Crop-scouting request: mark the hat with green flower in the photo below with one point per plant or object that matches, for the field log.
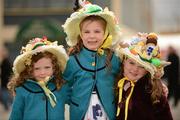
(35, 46)
(144, 50)
(72, 24)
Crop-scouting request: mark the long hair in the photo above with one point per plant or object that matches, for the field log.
(18, 80)
(78, 47)
(156, 90)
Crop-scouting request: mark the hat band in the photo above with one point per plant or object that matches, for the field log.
(156, 62)
(94, 11)
(38, 45)
(146, 60)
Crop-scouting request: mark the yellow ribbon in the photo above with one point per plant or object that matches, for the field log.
(47, 92)
(107, 43)
(121, 86)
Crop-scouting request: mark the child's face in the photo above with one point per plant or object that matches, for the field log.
(42, 68)
(92, 33)
(133, 70)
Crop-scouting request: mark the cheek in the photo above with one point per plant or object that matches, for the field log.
(126, 69)
(125, 73)
(84, 41)
(34, 74)
(84, 36)
(127, 66)
(101, 38)
(51, 72)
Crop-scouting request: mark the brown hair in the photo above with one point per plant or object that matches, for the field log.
(156, 90)
(18, 80)
(78, 47)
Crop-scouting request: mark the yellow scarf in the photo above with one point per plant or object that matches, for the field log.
(121, 86)
(107, 42)
(47, 92)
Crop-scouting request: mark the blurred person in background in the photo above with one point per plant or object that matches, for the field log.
(6, 69)
(172, 74)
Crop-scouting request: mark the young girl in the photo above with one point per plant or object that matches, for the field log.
(92, 66)
(37, 83)
(140, 89)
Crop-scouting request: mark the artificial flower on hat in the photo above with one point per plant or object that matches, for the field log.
(39, 45)
(144, 50)
(72, 24)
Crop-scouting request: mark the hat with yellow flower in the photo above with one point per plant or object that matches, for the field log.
(35, 46)
(72, 24)
(144, 50)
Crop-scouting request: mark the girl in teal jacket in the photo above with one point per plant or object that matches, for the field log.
(40, 93)
(92, 66)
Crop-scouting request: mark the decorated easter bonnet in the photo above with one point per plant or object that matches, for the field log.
(144, 50)
(35, 46)
(72, 24)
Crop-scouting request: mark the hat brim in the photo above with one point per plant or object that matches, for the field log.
(19, 63)
(72, 28)
(149, 67)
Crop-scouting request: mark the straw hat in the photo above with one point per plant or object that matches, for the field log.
(144, 50)
(72, 24)
(39, 45)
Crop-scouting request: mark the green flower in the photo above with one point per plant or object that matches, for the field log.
(156, 62)
(92, 8)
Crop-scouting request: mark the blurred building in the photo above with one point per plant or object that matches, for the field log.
(161, 16)
(21, 20)
(19, 15)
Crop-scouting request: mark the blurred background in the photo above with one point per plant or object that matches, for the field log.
(22, 20)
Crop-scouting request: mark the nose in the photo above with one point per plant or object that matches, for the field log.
(42, 72)
(91, 35)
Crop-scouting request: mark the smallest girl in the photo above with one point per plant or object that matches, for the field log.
(40, 92)
(141, 94)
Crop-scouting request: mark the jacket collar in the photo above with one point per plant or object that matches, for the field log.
(32, 86)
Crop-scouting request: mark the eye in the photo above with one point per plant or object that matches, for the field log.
(47, 67)
(36, 68)
(97, 31)
(131, 62)
(85, 31)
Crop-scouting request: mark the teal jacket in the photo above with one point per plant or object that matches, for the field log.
(30, 102)
(86, 72)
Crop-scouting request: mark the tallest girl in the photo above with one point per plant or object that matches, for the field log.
(92, 67)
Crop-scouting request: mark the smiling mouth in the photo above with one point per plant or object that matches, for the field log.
(92, 42)
(133, 74)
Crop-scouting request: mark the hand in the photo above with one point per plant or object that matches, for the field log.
(123, 44)
(165, 90)
(159, 73)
